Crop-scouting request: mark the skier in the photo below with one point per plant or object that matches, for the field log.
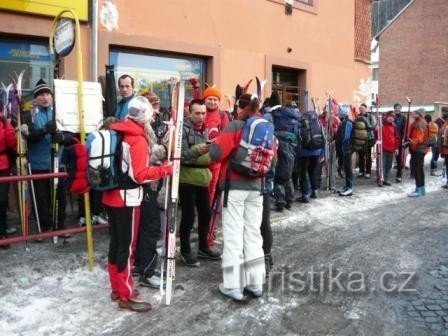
(365, 150)
(194, 179)
(149, 234)
(215, 121)
(8, 143)
(443, 145)
(343, 145)
(418, 148)
(42, 128)
(286, 124)
(243, 257)
(391, 143)
(433, 130)
(123, 204)
(126, 87)
(400, 124)
(312, 145)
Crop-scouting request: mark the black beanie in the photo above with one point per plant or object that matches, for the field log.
(41, 87)
(274, 100)
(244, 100)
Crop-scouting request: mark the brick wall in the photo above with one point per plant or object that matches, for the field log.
(363, 26)
(414, 55)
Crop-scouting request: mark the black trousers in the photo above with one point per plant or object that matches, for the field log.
(417, 160)
(123, 224)
(399, 163)
(265, 228)
(4, 188)
(365, 160)
(308, 171)
(149, 233)
(194, 198)
(43, 189)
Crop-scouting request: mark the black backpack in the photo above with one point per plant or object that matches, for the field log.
(311, 131)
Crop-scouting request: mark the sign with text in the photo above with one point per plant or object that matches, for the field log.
(66, 98)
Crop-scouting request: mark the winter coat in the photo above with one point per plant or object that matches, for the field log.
(391, 140)
(443, 139)
(39, 143)
(418, 135)
(400, 124)
(8, 142)
(344, 135)
(136, 152)
(221, 151)
(215, 121)
(122, 108)
(194, 166)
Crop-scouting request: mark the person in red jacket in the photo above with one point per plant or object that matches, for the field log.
(391, 143)
(123, 204)
(8, 142)
(215, 121)
(418, 148)
(243, 256)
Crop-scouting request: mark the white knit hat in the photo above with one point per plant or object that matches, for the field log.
(140, 110)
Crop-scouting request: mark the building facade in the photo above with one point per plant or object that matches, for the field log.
(317, 46)
(413, 55)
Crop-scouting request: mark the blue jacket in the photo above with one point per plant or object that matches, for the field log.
(346, 135)
(122, 108)
(39, 143)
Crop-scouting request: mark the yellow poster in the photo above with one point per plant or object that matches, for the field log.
(47, 7)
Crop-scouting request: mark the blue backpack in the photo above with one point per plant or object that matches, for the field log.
(286, 119)
(255, 152)
(104, 150)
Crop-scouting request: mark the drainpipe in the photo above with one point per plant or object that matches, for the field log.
(94, 42)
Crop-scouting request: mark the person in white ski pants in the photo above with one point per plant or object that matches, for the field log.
(243, 256)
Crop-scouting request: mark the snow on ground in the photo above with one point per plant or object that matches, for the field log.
(50, 291)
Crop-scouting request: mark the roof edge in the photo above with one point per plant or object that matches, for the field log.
(376, 37)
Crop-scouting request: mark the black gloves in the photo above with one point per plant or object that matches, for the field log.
(50, 127)
(64, 138)
(58, 137)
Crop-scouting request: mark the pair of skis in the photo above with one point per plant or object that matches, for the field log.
(379, 145)
(172, 187)
(329, 146)
(404, 149)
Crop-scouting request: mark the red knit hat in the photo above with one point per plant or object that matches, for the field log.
(211, 92)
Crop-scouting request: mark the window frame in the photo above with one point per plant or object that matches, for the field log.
(312, 7)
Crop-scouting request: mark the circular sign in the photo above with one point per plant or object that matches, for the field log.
(64, 37)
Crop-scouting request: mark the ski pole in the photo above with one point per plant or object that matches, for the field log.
(33, 194)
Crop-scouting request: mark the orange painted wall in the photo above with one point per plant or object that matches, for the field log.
(243, 38)
(244, 34)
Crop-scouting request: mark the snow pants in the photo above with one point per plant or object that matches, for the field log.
(243, 257)
(124, 223)
(149, 232)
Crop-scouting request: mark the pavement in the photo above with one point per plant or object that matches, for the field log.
(375, 263)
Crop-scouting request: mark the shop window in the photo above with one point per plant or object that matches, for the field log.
(17, 55)
(152, 71)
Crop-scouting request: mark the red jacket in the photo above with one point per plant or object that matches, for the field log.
(8, 140)
(136, 152)
(222, 149)
(215, 121)
(391, 140)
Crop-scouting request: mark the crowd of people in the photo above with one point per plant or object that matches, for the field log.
(308, 145)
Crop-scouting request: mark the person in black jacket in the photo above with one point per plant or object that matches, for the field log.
(400, 124)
